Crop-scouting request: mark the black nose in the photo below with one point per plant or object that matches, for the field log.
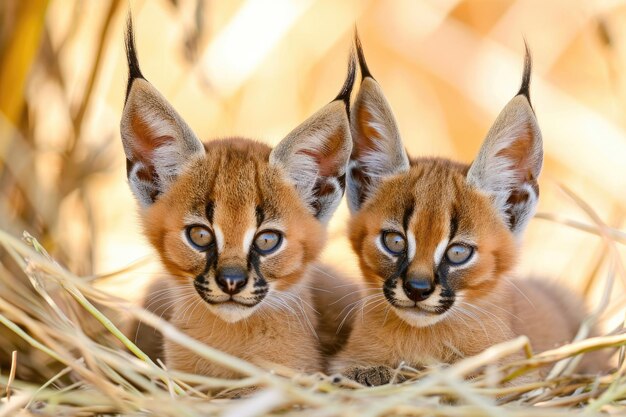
(231, 279)
(418, 289)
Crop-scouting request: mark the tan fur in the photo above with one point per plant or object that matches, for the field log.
(237, 225)
(333, 295)
(498, 307)
(235, 189)
(329, 294)
(379, 333)
(236, 174)
(435, 205)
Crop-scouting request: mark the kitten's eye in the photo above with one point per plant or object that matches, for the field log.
(459, 254)
(394, 242)
(267, 242)
(200, 237)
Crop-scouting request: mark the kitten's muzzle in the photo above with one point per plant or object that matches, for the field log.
(418, 288)
(231, 279)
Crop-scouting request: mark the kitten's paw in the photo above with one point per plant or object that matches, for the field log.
(372, 376)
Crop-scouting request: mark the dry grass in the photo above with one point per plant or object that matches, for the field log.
(104, 373)
(447, 67)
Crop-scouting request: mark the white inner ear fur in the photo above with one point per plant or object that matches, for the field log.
(141, 188)
(498, 175)
(146, 107)
(388, 156)
(380, 155)
(294, 155)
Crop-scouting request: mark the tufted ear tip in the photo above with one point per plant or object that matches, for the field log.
(365, 71)
(377, 147)
(157, 141)
(510, 160)
(348, 85)
(134, 71)
(524, 89)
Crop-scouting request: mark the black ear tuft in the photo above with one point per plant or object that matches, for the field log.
(346, 89)
(528, 64)
(365, 71)
(134, 71)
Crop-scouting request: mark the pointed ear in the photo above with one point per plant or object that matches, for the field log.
(315, 154)
(377, 148)
(510, 159)
(157, 141)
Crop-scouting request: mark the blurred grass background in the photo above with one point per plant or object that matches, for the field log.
(258, 68)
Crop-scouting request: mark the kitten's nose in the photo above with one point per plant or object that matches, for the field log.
(418, 289)
(231, 279)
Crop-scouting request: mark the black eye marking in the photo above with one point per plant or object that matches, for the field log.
(209, 210)
(200, 282)
(454, 225)
(260, 216)
(407, 215)
(260, 283)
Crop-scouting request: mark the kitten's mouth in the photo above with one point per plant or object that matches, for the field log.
(416, 308)
(229, 308)
(217, 297)
(420, 313)
(229, 300)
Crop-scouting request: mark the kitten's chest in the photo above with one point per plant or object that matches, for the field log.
(233, 338)
(421, 347)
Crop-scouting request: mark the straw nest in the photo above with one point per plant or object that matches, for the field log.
(69, 357)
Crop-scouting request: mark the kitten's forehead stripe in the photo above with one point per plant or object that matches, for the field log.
(260, 215)
(408, 214)
(454, 225)
(210, 210)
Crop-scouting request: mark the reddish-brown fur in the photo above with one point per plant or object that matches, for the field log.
(237, 175)
(419, 306)
(238, 227)
(497, 307)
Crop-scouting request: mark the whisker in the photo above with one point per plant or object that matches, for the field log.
(388, 309)
(359, 301)
(472, 316)
(355, 305)
(488, 313)
(520, 291)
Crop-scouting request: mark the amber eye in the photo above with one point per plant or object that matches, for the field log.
(459, 254)
(267, 242)
(200, 237)
(394, 242)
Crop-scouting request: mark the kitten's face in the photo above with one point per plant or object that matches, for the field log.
(233, 220)
(435, 236)
(431, 243)
(233, 229)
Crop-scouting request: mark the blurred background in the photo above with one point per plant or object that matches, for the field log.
(258, 68)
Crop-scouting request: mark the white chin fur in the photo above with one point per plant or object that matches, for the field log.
(232, 313)
(418, 318)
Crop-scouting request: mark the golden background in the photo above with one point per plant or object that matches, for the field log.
(259, 68)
